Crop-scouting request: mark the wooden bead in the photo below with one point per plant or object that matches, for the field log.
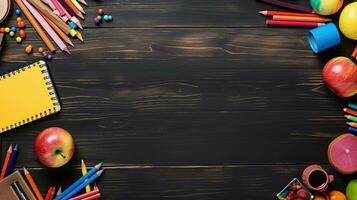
(40, 50)
(22, 33)
(100, 11)
(21, 24)
(28, 49)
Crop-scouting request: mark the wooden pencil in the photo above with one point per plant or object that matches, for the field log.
(11, 160)
(352, 118)
(354, 54)
(350, 111)
(301, 19)
(271, 22)
(73, 8)
(59, 31)
(83, 2)
(84, 171)
(85, 195)
(78, 6)
(6, 162)
(33, 184)
(48, 194)
(69, 12)
(352, 124)
(50, 15)
(36, 25)
(273, 12)
(52, 193)
(285, 4)
(47, 27)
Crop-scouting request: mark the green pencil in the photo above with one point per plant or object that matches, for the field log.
(352, 118)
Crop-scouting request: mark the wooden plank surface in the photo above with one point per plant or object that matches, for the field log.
(191, 99)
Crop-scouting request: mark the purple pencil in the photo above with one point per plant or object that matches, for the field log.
(289, 5)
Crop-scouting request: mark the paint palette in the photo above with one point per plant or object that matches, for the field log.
(295, 190)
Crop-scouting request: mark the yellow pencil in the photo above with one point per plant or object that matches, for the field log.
(78, 6)
(84, 171)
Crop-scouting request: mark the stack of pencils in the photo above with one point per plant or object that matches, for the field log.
(352, 116)
(304, 17)
(57, 19)
(9, 161)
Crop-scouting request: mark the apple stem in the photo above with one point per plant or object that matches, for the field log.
(60, 153)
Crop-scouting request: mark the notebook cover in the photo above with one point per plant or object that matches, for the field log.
(27, 94)
(6, 191)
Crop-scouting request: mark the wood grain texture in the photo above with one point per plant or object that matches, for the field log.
(191, 99)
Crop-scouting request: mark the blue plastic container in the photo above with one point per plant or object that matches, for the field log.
(324, 37)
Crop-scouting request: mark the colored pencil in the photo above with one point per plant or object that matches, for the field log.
(88, 194)
(48, 194)
(79, 36)
(352, 124)
(49, 14)
(79, 181)
(301, 19)
(70, 14)
(78, 6)
(92, 178)
(292, 24)
(59, 191)
(11, 161)
(73, 8)
(6, 162)
(37, 26)
(96, 196)
(83, 2)
(289, 5)
(59, 31)
(354, 53)
(272, 13)
(352, 129)
(352, 118)
(33, 184)
(53, 192)
(352, 106)
(47, 27)
(84, 171)
(350, 111)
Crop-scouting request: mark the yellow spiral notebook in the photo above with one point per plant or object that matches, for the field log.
(26, 94)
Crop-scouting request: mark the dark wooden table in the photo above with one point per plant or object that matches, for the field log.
(189, 99)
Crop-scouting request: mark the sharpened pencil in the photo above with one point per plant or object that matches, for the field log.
(350, 111)
(83, 2)
(352, 124)
(353, 106)
(301, 19)
(352, 118)
(6, 162)
(33, 184)
(78, 6)
(352, 129)
(59, 31)
(85, 195)
(84, 171)
(273, 12)
(291, 6)
(12, 160)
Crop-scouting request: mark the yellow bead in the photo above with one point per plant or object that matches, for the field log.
(18, 39)
(40, 50)
(11, 34)
(7, 29)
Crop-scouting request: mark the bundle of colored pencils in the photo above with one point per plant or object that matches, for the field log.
(57, 18)
(9, 161)
(303, 18)
(352, 116)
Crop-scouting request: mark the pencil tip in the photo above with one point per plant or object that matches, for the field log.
(66, 50)
(345, 109)
(25, 170)
(16, 147)
(100, 172)
(264, 12)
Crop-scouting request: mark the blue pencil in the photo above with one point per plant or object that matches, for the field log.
(352, 129)
(11, 161)
(83, 185)
(353, 106)
(79, 181)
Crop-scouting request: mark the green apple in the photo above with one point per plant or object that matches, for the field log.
(351, 190)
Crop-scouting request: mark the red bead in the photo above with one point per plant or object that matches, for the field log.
(2, 30)
(21, 24)
(100, 11)
(22, 33)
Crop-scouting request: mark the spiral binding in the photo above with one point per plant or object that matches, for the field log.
(51, 91)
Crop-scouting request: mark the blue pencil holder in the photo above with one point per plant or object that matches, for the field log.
(323, 37)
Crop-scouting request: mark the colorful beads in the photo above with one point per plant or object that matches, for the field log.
(28, 49)
(18, 11)
(7, 29)
(100, 11)
(13, 29)
(47, 55)
(11, 34)
(98, 20)
(21, 24)
(18, 39)
(22, 33)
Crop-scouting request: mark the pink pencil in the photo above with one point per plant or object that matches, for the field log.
(47, 27)
(271, 22)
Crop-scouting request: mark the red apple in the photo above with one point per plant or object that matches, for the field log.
(54, 147)
(340, 75)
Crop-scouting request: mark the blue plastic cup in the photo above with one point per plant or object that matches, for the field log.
(324, 37)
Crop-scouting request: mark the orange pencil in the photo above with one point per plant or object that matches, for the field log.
(33, 184)
(354, 54)
(352, 124)
(6, 162)
(301, 19)
(58, 31)
(350, 111)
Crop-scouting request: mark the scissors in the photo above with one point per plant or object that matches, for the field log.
(5, 7)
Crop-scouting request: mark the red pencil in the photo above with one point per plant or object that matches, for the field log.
(48, 194)
(52, 194)
(289, 5)
(350, 111)
(6, 162)
(273, 12)
(86, 195)
(74, 8)
(271, 22)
